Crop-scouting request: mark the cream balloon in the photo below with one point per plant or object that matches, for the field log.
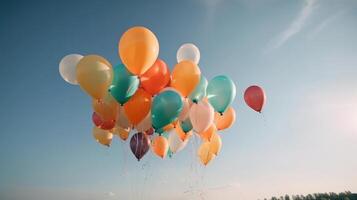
(103, 137)
(122, 119)
(188, 51)
(185, 110)
(68, 68)
(201, 116)
(145, 124)
(175, 142)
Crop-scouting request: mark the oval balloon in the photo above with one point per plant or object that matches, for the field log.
(94, 75)
(122, 119)
(138, 106)
(201, 116)
(165, 108)
(160, 146)
(97, 120)
(138, 49)
(184, 136)
(221, 92)
(185, 110)
(189, 52)
(255, 97)
(107, 108)
(207, 134)
(124, 84)
(186, 125)
(150, 131)
(205, 154)
(200, 91)
(139, 145)
(225, 120)
(121, 132)
(102, 124)
(145, 124)
(175, 142)
(156, 77)
(68, 68)
(185, 77)
(215, 143)
(103, 137)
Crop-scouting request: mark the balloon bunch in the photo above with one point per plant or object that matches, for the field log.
(164, 108)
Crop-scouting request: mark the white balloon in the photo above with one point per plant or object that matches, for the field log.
(68, 67)
(188, 51)
(175, 142)
(201, 116)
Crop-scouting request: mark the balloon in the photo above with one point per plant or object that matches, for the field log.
(156, 78)
(185, 110)
(221, 92)
(122, 119)
(185, 77)
(124, 84)
(150, 131)
(175, 142)
(138, 49)
(94, 75)
(139, 145)
(184, 136)
(160, 146)
(138, 106)
(215, 143)
(186, 125)
(207, 134)
(200, 90)
(255, 97)
(225, 120)
(107, 108)
(201, 116)
(102, 136)
(205, 154)
(145, 124)
(165, 108)
(102, 124)
(188, 51)
(68, 67)
(97, 120)
(123, 133)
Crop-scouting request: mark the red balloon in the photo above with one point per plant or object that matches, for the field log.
(105, 125)
(150, 131)
(97, 120)
(255, 97)
(156, 77)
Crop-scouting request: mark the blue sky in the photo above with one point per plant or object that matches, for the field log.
(303, 52)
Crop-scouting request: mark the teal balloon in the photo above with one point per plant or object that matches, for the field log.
(165, 108)
(221, 92)
(186, 125)
(124, 84)
(200, 91)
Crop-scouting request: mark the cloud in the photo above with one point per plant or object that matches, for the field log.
(295, 26)
(325, 23)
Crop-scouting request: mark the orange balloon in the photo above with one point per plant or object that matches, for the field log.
(207, 134)
(138, 106)
(155, 78)
(185, 77)
(160, 146)
(225, 120)
(123, 133)
(138, 49)
(215, 143)
(107, 108)
(184, 136)
(205, 154)
(170, 126)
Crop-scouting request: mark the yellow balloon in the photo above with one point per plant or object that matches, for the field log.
(102, 136)
(138, 49)
(94, 75)
(185, 77)
(123, 133)
(107, 108)
(204, 153)
(215, 143)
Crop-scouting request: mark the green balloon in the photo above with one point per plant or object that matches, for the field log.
(200, 90)
(186, 125)
(221, 92)
(124, 84)
(165, 108)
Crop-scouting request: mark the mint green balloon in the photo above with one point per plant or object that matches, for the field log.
(186, 125)
(221, 92)
(124, 84)
(165, 108)
(200, 90)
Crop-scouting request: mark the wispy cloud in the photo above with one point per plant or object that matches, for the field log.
(325, 23)
(295, 26)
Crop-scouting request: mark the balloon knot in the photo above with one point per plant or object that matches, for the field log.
(221, 113)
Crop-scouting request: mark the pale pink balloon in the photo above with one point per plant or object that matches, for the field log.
(122, 119)
(145, 124)
(201, 116)
(185, 110)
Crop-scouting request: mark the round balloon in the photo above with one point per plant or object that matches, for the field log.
(200, 91)
(145, 124)
(221, 92)
(185, 77)
(156, 77)
(207, 134)
(107, 108)
(103, 137)
(122, 119)
(205, 154)
(186, 125)
(215, 143)
(175, 142)
(189, 52)
(165, 108)
(138, 49)
(225, 120)
(160, 146)
(138, 106)
(139, 145)
(255, 97)
(68, 68)
(94, 75)
(185, 110)
(201, 116)
(124, 84)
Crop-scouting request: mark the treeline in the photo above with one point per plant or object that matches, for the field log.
(319, 196)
